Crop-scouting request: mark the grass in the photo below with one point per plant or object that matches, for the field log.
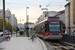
(24, 34)
(29, 33)
(32, 33)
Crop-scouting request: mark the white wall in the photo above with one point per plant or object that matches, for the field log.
(52, 13)
(62, 17)
(67, 18)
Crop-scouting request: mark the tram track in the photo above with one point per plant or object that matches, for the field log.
(58, 45)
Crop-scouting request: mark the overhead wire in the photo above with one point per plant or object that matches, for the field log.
(51, 1)
(30, 4)
(19, 4)
(60, 7)
(39, 1)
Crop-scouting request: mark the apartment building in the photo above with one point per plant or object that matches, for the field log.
(7, 14)
(13, 20)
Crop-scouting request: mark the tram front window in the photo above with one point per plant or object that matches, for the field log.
(54, 27)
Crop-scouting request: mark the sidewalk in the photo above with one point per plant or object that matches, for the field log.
(22, 43)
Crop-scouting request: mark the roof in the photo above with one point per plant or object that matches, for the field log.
(51, 19)
(61, 11)
(67, 4)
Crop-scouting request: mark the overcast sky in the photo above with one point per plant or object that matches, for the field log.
(18, 7)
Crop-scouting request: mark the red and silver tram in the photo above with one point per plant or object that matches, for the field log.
(49, 28)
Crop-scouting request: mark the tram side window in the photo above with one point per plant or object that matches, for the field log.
(40, 29)
(36, 29)
(43, 27)
(46, 27)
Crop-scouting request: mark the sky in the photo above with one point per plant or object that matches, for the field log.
(18, 7)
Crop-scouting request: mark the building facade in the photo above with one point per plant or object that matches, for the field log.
(67, 16)
(72, 16)
(70, 12)
(1, 13)
(61, 15)
(13, 20)
(7, 14)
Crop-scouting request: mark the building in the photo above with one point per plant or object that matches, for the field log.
(1, 13)
(61, 15)
(72, 15)
(13, 20)
(67, 15)
(7, 14)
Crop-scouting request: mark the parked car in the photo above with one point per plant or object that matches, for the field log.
(1, 36)
(14, 32)
(6, 33)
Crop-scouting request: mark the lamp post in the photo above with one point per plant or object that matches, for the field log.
(8, 24)
(27, 28)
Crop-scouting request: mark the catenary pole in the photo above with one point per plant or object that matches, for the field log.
(3, 17)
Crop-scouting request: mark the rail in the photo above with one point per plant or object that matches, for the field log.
(59, 45)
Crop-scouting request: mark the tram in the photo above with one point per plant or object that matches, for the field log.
(49, 28)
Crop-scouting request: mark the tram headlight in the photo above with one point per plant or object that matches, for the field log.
(59, 33)
(46, 33)
(50, 33)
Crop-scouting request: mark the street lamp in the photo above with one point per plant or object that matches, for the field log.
(8, 24)
(27, 28)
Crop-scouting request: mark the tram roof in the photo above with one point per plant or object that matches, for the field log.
(50, 19)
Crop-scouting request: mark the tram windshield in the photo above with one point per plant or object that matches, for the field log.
(54, 26)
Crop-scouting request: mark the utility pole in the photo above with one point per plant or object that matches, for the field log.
(3, 17)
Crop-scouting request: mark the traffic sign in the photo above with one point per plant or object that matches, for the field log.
(21, 28)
